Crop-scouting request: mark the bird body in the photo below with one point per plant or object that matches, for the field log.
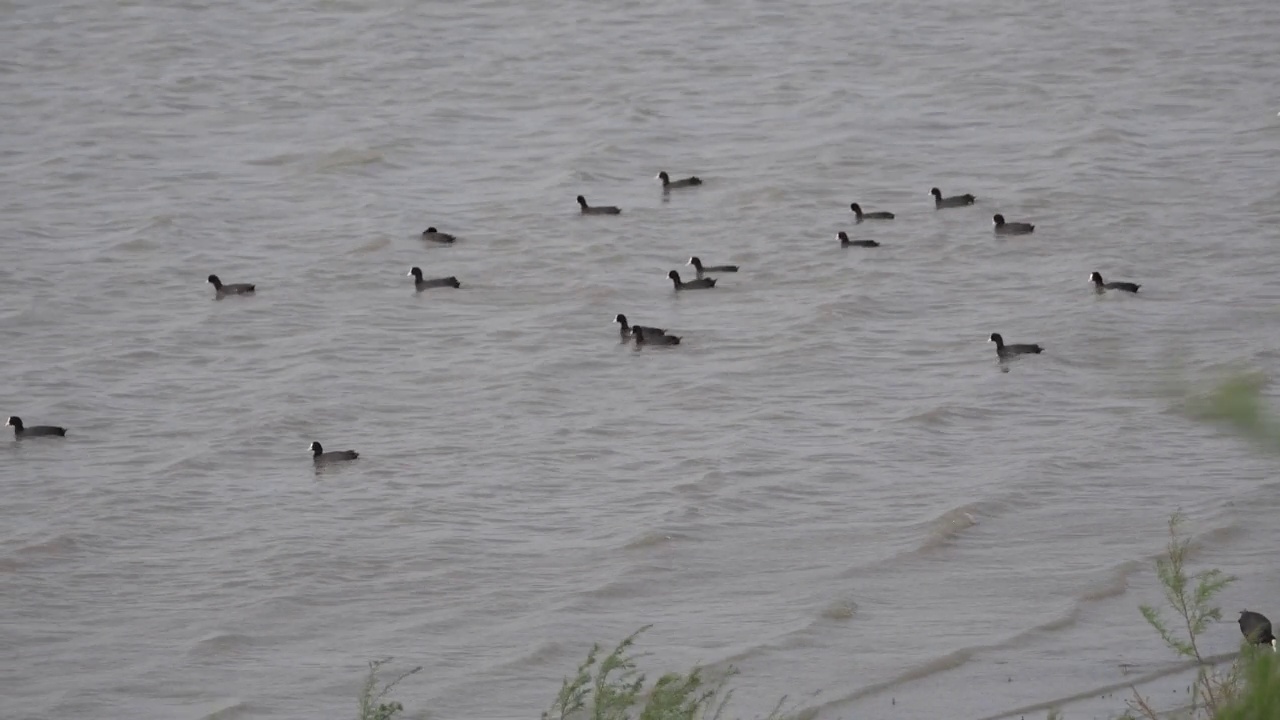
(1003, 350)
(669, 184)
(940, 202)
(232, 289)
(436, 236)
(1256, 628)
(643, 338)
(422, 284)
(1096, 279)
(857, 211)
(1011, 228)
(699, 284)
(697, 265)
(320, 456)
(625, 329)
(846, 242)
(597, 210)
(21, 431)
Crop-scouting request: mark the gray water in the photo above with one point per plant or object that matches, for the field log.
(831, 483)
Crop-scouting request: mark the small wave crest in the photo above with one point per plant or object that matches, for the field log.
(59, 546)
(842, 609)
(229, 712)
(652, 538)
(1113, 585)
(945, 528)
(221, 644)
(942, 664)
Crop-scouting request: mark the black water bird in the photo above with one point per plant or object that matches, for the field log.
(846, 242)
(1096, 279)
(1256, 628)
(940, 202)
(21, 431)
(420, 284)
(1008, 350)
(232, 289)
(857, 211)
(625, 329)
(697, 265)
(598, 209)
(320, 456)
(699, 284)
(435, 235)
(1011, 228)
(669, 184)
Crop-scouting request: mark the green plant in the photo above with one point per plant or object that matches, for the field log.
(612, 689)
(1192, 599)
(372, 706)
(1259, 696)
(1237, 402)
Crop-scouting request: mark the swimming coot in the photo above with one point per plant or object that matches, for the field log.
(1011, 228)
(319, 455)
(1256, 628)
(421, 284)
(1007, 350)
(435, 235)
(625, 330)
(1096, 279)
(668, 183)
(940, 202)
(857, 211)
(20, 431)
(699, 284)
(697, 265)
(233, 289)
(643, 338)
(598, 210)
(846, 242)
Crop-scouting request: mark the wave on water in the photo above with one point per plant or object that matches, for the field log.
(236, 709)
(345, 158)
(841, 609)
(948, 526)
(1113, 584)
(653, 538)
(57, 546)
(221, 644)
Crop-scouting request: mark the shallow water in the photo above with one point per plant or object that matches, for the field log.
(830, 484)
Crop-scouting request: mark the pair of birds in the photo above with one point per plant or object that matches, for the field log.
(644, 334)
(431, 234)
(701, 283)
(1005, 351)
(939, 203)
(667, 185)
(20, 431)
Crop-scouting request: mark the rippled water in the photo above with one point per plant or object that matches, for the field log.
(831, 483)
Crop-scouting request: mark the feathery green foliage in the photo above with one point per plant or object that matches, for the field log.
(1191, 597)
(1237, 402)
(372, 706)
(1259, 698)
(612, 689)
